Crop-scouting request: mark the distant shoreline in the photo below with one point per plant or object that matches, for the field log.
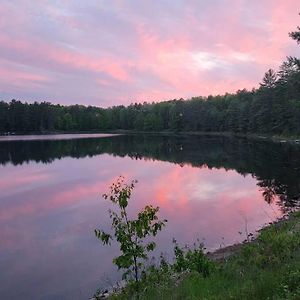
(274, 138)
(59, 136)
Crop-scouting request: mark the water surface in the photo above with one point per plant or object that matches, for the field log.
(50, 201)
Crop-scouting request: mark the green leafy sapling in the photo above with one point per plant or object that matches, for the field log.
(131, 234)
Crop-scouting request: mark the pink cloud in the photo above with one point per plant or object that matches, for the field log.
(150, 51)
(12, 76)
(41, 55)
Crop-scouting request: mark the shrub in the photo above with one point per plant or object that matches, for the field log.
(130, 234)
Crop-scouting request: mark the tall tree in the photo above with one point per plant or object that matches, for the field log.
(269, 80)
(295, 35)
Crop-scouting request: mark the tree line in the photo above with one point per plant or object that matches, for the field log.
(273, 108)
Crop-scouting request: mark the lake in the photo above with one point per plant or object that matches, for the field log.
(208, 187)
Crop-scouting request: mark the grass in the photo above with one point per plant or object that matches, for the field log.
(266, 268)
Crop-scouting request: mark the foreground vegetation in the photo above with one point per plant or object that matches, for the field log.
(266, 268)
(273, 108)
(132, 235)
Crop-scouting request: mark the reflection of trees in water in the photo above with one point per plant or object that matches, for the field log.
(268, 190)
(275, 166)
(286, 196)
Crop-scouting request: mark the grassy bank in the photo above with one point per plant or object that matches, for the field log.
(266, 268)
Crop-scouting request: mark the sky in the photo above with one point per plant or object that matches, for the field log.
(113, 52)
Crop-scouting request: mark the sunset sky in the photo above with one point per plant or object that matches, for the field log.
(116, 52)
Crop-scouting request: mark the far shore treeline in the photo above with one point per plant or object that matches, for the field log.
(273, 108)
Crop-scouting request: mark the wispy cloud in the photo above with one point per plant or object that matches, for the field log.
(112, 52)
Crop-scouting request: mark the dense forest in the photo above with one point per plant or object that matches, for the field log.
(273, 108)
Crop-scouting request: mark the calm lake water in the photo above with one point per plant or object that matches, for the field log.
(50, 201)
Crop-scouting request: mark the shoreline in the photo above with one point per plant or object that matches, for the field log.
(274, 138)
(219, 256)
(222, 254)
(266, 137)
